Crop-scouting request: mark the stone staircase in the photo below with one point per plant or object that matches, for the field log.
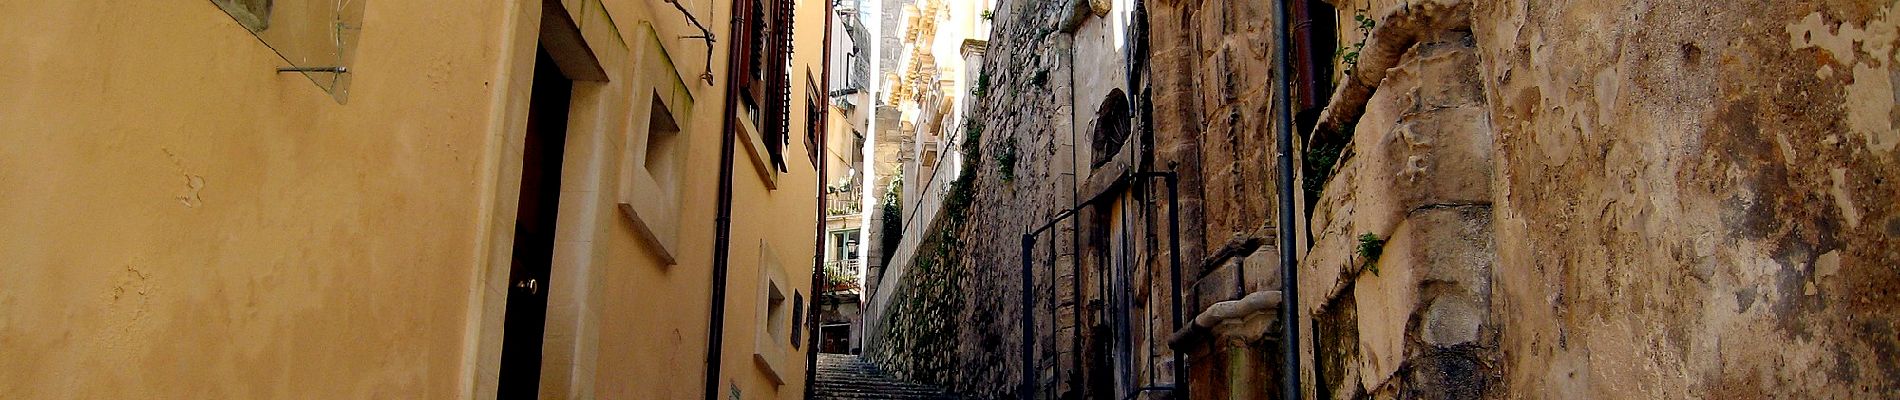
(847, 377)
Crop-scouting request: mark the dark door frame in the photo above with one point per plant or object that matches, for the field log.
(543, 150)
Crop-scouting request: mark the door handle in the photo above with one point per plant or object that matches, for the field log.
(530, 284)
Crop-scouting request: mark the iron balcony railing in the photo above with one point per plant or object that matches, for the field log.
(841, 203)
(842, 275)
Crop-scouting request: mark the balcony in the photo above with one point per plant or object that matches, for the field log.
(844, 205)
(841, 276)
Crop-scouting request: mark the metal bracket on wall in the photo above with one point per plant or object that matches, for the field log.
(705, 35)
(333, 70)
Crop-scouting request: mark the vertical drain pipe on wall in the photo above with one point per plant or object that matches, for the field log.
(823, 140)
(722, 224)
(1289, 268)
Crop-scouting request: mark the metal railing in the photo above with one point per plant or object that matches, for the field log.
(1038, 355)
(841, 203)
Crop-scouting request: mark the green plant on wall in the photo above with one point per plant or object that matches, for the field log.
(982, 86)
(892, 211)
(1006, 159)
(972, 133)
(988, 15)
(1370, 246)
(1318, 164)
(1349, 55)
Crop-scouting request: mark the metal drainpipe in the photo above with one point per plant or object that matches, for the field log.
(722, 227)
(1289, 268)
(818, 255)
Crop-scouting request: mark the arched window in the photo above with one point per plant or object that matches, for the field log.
(1111, 127)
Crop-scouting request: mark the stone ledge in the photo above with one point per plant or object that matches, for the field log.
(1243, 320)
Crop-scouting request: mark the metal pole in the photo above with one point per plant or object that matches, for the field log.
(1055, 305)
(1028, 389)
(1289, 268)
(1174, 264)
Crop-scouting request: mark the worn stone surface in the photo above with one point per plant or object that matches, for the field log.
(1661, 228)
(956, 320)
(1667, 199)
(1658, 235)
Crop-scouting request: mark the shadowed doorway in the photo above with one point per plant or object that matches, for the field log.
(534, 231)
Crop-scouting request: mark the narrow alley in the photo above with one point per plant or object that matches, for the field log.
(949, 199)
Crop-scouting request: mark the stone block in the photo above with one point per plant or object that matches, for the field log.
(1216, 82)
(1421, 143)
(1247, 63)
(1255, 160)
(1435, 270)
(1222, 284)
(1261, 269)
(1210, 24)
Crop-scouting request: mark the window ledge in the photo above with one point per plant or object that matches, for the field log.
(755, 150)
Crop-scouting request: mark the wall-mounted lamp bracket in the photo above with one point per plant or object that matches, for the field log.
(333, 70)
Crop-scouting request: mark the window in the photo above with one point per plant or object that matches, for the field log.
(663, 158)
(764, 38)
(798, 318)
(844, 246)
(652, 169)
(775, 318)
(774, 309)
(653, 147)
(814, 121)
(1111, 127)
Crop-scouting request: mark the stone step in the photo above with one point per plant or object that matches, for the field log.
(847, 377)
(861, 387)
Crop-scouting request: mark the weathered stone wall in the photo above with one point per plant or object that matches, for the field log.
(956, 320)
(1618, 200)
(1210, 72)
(1671, 199)
(1695, 199)
(1399, 274)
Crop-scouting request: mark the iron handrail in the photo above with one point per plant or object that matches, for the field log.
(1027, 388)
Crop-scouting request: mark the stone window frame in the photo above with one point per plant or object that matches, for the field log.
(650, 195)
(769, 352)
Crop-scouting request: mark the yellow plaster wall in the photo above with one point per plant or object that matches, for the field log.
(784, 219)
(181, 221)
(653, 343)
